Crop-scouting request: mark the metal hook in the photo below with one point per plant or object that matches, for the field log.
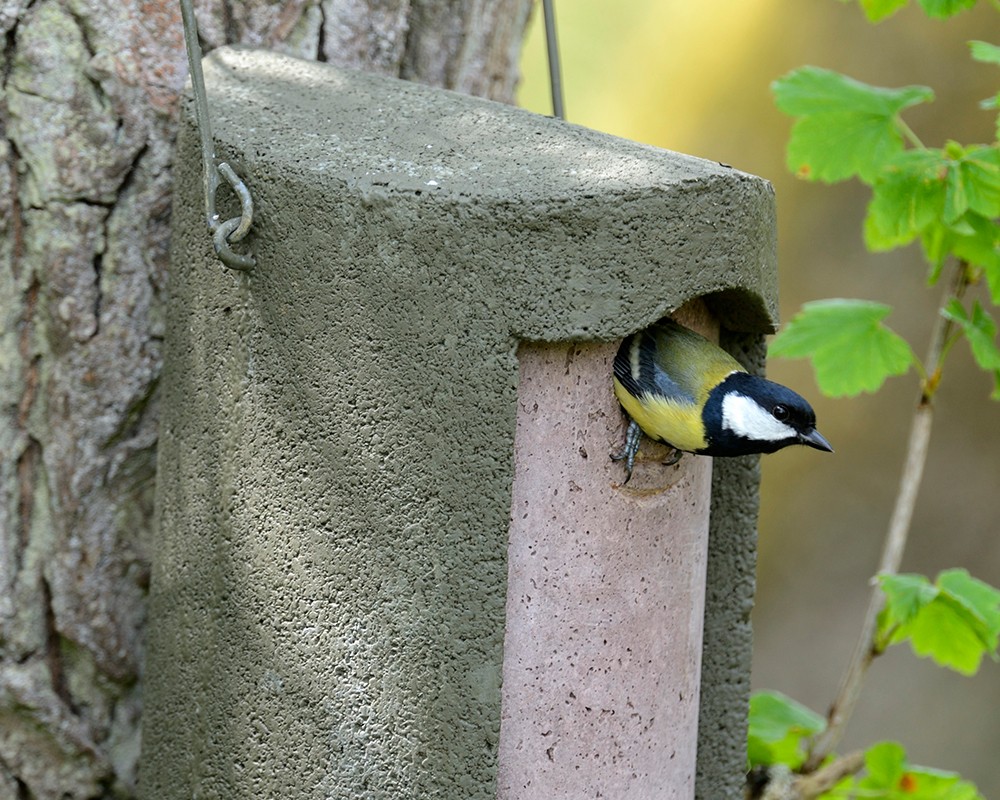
(227, 256)
(235, 229)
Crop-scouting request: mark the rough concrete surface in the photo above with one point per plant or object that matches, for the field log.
(329, 585)
(729, 593)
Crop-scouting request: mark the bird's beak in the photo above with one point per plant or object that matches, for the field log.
(815, 439)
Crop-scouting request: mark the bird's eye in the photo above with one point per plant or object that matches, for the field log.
(780, 413)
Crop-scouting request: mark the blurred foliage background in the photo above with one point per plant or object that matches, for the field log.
(694, 77)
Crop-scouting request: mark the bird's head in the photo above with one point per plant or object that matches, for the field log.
(748, 414)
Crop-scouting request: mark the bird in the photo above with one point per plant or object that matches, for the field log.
(679, 388)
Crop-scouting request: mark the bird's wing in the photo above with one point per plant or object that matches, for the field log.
(691, 366)
(641, 370)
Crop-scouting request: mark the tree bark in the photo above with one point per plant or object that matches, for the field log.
(88, 116)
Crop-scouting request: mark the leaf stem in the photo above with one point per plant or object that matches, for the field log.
(955, 336)
(899, 528)
(909, 133)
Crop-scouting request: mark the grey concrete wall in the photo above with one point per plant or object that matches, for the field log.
(336, 463)
(729, 593)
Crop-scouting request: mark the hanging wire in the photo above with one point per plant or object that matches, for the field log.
(233, 230)
(555, 75)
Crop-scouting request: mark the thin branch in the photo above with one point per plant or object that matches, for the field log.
(899, 528)
(778, 782)
(807, 787)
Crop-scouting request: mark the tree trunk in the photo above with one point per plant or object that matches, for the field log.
(88, 122)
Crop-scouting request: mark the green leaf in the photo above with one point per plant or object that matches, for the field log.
(981, 248)
(890, 776)
(942, 9)
(978, 598)
(976, 241)
(985, 52)
(905, 596)
(955, 621)
(988, 54)
(877, 10)
(949, 198)
(844, 127)
(922, 189)
(907, 199)
(973, 182)
(980, 332)
(944, 633)
(813, 90)
(884, 765)
(778, 728)
(923, 783)
(850, 349)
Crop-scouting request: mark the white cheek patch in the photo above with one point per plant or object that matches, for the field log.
(747, 419)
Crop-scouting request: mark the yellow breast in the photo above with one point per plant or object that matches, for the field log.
(676, 423)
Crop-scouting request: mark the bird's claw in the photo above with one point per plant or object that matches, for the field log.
(632, 437)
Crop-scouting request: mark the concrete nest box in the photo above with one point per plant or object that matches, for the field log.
(395, 558)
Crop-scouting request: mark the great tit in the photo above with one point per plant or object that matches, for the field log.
(680, 389)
